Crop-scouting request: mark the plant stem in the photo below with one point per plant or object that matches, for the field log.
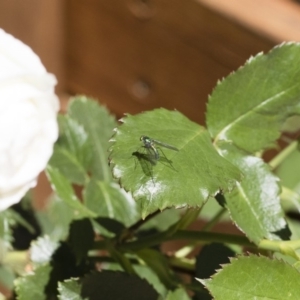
(185, 221)
(120, 257)
(285, 247)
(127, 233)
(187, 249)
(212, 237)
(141, 222)
(278, 159)
(159, 238)
(209, 225)
(183, 263)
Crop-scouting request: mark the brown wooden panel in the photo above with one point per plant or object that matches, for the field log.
(137, 55)
(276, 20)
(38, 24)
(200, 26)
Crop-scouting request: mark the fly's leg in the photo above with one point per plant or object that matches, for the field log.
(164, 160)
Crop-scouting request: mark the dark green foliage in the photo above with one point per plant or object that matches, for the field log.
(118, 198)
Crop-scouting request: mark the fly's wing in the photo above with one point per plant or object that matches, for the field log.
(152, 153)
(165, 145)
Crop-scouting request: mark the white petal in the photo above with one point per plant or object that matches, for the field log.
(28, 125)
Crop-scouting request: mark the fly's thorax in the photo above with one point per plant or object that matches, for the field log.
(146, 141)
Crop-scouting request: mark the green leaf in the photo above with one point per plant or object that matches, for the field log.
(208, 261)
(99, 125)
(42, 250)
(65, 192)
(187, 177)
(250, 105)
(69, 290)
(111, 225)
(295, 228)
(106, 199)
(255, 277)
(7, 277)
(255, 204)
(116, 285)
(159, 265)
(210, 258)
(72, 155)
(178, 294)
(81, 238)
(74, 138)
(120, 258)
(65, 266)
(67, 163)
(55, 220)
(32, 286)
(285, 172)
(7, 217)
(143, 272)
(290, 200)
(18, 218)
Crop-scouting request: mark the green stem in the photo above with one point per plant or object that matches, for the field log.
(187, 249)
(141, 222)
(119, 257)
(285, 247)
(185, 221)
(278, 159)
(209, 225)
(183, 263)
(204, 237)
(212, 237)
(127, 233)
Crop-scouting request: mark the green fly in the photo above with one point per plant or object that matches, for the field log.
(150, 145)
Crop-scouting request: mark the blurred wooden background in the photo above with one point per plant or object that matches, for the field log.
(135, 55)
(39, 24)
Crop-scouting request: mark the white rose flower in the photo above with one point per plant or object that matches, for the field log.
(28, 125)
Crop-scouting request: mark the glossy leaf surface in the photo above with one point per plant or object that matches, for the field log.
(179, 178)
(69, 290)
(98, 124)
(159, 265)
(42, 249)
(255, 277)
(255, 204)
(72, 155)
(106, 199)
(249, 106)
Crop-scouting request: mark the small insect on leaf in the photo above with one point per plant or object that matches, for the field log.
(150, 144)
(163, 159)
